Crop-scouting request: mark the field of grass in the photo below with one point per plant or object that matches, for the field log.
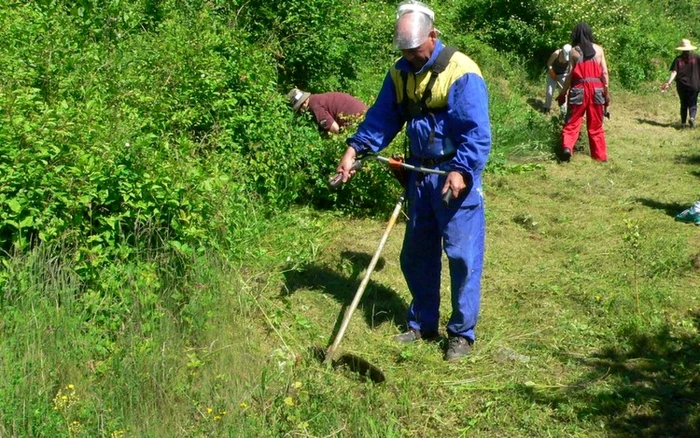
(589, 316)
(589, 321)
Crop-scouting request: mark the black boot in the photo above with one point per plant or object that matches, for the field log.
(414, 335)
(457, 347)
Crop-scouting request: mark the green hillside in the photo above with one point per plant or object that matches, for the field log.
(171, 254)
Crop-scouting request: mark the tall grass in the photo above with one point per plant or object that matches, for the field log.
(166, 343)
(172, 114)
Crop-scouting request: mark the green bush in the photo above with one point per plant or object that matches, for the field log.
(634, 34)
(146, 122)
(321, 44)
(101, 145)
(154, 115)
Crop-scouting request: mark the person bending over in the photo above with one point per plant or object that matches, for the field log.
(332, 111)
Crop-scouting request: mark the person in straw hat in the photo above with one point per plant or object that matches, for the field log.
(685, 71)
(331, 111)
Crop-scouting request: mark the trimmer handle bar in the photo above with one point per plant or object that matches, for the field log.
(337, 180)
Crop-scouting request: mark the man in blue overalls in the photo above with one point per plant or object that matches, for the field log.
(441, 96)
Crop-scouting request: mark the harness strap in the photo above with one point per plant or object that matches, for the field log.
(582, 80)
(438, 67)
(440, 64)
(412, 109)
(404, 101)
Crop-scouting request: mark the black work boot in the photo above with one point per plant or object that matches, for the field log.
(457, 347)
(566, 155)
(414, 335)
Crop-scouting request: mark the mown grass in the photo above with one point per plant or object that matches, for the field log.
(589, 322)
(589, 296)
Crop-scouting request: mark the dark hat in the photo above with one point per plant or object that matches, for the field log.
(297, 98)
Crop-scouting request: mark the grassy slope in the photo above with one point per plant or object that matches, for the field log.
(587, 278)
(563, 347)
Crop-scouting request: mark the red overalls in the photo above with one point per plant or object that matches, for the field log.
(586, 96)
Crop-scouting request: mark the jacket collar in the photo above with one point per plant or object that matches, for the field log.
(403, 65)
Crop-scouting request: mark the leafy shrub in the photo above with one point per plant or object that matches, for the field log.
(634, 34)
(99, 146)
(320, 44)
(158, 122)
(155, 121)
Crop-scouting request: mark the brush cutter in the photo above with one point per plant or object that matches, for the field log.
(337, 180)
(353, 362)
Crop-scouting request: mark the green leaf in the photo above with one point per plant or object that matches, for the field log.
(14, 205)
(13, 223)
(27, 222)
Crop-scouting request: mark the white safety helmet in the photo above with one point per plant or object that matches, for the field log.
(567, 51)
(416, 30)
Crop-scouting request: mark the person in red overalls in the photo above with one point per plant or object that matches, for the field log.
(587, 89)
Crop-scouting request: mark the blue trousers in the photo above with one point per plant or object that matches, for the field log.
(460, 229)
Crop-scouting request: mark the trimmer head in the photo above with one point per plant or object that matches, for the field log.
(352, 362)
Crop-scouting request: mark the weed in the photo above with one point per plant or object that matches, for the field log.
(632, 238)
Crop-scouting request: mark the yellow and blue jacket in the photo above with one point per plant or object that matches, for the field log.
(456, 123)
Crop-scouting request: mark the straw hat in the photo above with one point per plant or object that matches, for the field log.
(297, 98)
(686, 46)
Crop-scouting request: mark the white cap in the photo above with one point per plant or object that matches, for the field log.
(414, 6)
(567, 51)
(415, 28)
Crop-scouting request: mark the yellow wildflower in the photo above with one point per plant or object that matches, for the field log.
(243, 405)
(75, 427)
(289, 401)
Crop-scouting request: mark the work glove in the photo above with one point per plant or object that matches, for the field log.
(665, 86)
(561, 99)
(552, 74)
